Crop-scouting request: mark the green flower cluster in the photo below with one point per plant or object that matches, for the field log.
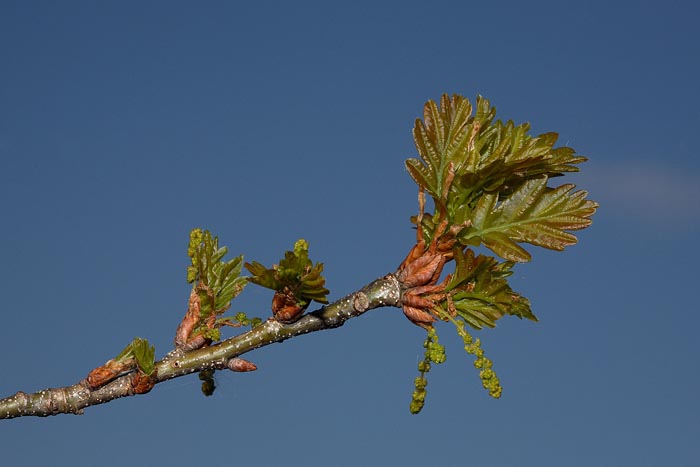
(489, 379)
(435, 353)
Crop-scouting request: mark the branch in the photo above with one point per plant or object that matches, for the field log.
(73, 399)
(488, 181)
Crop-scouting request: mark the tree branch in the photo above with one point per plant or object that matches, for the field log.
(73, 399)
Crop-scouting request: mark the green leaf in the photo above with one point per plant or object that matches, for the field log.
(504, 247)
(532, 213)
(442, 138)
(263, 276)
(479, 291)
(141, 352)
(422, 175)
(144, 355)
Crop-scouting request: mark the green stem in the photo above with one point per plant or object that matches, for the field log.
(73, 399)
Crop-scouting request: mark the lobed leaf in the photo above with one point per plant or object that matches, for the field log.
(533, 213)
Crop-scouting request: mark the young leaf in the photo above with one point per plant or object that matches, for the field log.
(141, 352)
(479, 292)
(533, 214)
(144, 355)
(464, 157)
(442, 138)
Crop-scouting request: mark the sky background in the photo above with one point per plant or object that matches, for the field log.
(125, 124)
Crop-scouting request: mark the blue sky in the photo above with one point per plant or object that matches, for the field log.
(125, 124)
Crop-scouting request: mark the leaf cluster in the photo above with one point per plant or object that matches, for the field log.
(489, 184)
(478, 291)
(490, 178)
(217, 281)
(295, 274)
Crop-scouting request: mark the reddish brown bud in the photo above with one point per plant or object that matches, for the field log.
(285, 307)
(109, 371)
(100, 376)
(141, 383)
(240, 364)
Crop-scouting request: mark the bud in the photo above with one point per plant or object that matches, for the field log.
(141, 383)
(241, 365)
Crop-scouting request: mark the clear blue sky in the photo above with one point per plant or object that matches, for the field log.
(125, 124)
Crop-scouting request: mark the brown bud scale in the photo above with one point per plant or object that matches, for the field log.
(184, 330)
(418, 316)
(423, 271)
